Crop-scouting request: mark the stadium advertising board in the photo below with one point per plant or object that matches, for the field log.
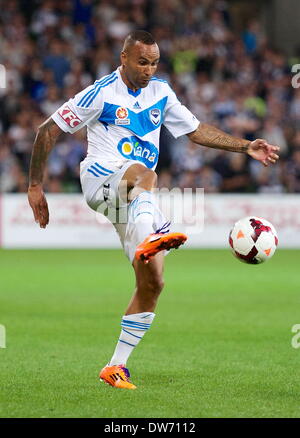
(74, 225)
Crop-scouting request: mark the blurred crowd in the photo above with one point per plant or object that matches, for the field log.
(235, 80)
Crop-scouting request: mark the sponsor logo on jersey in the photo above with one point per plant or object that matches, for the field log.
(69, 117)
(133, 148)
(155, 116)
(122, 116)
(136, 105)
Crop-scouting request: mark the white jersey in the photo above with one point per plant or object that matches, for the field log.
(122, 124)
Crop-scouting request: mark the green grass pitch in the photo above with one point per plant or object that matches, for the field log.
(220, 345)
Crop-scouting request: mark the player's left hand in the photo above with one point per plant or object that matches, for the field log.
(262, 151)
(38, 203)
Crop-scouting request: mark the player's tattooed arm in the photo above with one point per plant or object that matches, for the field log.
(45, 139)
(208, 135)
(259, 149)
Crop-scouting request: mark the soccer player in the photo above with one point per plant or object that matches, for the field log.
(123, 113)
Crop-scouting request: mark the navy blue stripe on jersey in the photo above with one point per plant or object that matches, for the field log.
(90, 96)
(89, 170)
(93, 96)
(139, 123)
(103, 168)
(94, 168)
(97, 90)
(90, 92)
(105, 125)
(84, 100)
(99, 82)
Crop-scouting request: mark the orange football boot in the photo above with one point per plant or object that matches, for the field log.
(158, 242)
(117, 376)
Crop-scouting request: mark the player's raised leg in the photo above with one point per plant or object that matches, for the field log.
(147, 227)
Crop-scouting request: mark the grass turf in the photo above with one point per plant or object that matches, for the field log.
(220, 345)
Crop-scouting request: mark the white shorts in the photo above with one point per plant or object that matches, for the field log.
(100, 182)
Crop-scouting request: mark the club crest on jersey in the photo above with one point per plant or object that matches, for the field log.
(134, 148)
(122, 116)
(155, 116)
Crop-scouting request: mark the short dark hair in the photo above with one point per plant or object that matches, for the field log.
(138, 35)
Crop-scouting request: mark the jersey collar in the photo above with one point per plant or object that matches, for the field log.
(134, 93)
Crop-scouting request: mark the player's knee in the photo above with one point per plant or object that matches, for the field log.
(152, 176)
(147, 179)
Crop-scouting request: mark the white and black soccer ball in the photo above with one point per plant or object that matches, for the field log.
(253, 240)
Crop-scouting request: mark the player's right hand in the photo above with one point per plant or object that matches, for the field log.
(38, 203)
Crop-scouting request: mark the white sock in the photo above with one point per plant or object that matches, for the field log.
(133, 329)
(144, 218)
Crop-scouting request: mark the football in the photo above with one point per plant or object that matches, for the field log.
(253, 240)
